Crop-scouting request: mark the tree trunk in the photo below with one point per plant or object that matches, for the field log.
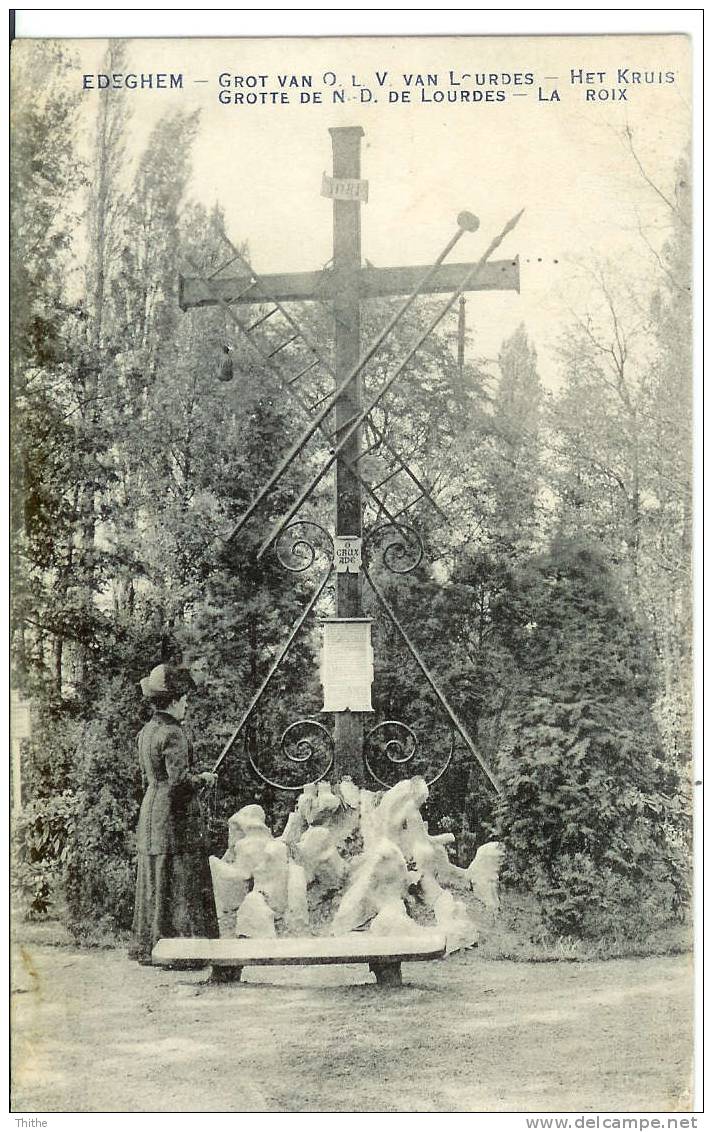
(58, 654)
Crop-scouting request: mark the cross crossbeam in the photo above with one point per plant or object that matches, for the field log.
(371, 283)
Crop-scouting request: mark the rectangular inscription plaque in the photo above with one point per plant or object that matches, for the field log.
(347, 668)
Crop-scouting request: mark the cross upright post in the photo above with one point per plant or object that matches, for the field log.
(346, 154)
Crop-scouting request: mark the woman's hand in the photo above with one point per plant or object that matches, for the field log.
(208, 778)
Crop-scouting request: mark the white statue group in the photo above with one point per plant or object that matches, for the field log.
(349, 860)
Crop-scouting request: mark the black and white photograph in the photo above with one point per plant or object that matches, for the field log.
(351, 562)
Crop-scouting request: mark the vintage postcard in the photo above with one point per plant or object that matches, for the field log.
(352, 534)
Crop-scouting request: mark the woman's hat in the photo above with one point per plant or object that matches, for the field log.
(167, 679)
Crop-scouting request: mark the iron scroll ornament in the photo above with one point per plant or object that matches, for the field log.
(402, 551)
(298, 746)
(297, 547)
(399, 746)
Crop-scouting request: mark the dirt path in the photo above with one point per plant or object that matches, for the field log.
(94, 1032)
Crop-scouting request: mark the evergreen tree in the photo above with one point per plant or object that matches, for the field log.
(591, 815)
(513, 452)
(46, 178)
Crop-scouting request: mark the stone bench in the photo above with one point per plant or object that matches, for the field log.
(227, 957)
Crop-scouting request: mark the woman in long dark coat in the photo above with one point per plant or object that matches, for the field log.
(174, 893)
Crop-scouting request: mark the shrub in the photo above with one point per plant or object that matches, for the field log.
(99, 874)
(43, 837)
(75, 848)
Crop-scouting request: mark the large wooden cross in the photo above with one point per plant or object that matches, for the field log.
(347, 284)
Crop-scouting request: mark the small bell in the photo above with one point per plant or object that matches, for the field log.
(225, 373)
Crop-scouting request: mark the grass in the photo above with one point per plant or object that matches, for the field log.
(94, 1032)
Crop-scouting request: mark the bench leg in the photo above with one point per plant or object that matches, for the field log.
(387, 974)
(221, 974)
